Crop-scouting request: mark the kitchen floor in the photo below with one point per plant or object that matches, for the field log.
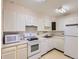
(55, 55)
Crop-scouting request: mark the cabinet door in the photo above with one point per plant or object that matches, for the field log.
(20, 21)
(9, 16)
(44, 46)
(59, 43)
(22, 51)
(47, 24)
(30, 20)
(40, 25)
(9, 55)
(50, 44)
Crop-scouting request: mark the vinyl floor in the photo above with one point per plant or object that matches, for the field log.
(54, 55)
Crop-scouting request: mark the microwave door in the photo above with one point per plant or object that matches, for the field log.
(11, 39)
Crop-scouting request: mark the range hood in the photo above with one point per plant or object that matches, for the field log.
(31, 28)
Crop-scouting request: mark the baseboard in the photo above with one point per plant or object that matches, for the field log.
(63, 52)
(47, 52)
(58, 50)
(69, 56)
(52, 50)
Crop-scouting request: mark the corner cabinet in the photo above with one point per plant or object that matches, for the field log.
(59, 43)
(16, 52)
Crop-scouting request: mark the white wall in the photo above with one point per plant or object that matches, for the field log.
(62, 21)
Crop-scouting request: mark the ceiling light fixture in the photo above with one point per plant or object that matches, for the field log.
(66, 7)
(62, 9)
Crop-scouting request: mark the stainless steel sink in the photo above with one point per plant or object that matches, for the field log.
(47, 36)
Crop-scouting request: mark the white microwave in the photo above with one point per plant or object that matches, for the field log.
(12, 38)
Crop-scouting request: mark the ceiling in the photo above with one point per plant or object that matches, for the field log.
(48, 7)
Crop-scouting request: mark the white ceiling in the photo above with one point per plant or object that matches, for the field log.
(48, 7)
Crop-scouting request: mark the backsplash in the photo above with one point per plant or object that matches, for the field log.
(53, 33)
(31, 29)
(43, 32)
(58, 33)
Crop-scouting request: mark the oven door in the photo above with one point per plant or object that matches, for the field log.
(33, 48)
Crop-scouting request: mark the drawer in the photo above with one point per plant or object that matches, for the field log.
(22, 46)
(9, 49)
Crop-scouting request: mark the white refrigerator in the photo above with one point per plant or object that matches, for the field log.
(71, 40)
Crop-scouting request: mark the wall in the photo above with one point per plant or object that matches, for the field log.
(63, 20)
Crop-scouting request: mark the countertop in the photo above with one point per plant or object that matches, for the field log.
(24, 41)
(14, 44)
(61, 36)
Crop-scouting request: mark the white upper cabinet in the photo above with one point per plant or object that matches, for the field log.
(47, 21)
(16, 17)
(44, 24)
(47, 24)
(20, 22)
(30, 20)
(9, 16)
(40, 25)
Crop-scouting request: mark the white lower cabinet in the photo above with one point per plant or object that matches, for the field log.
(43, 46)
(22, 52)
(48, 44)
(59, 43)
(16, 52)
(9, 55)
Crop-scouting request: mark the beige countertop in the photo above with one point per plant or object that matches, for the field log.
(60, 36)
(53, 37)
(25, 42)
(14, 44)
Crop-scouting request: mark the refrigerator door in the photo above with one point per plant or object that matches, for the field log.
(71, 46)
(71, 30)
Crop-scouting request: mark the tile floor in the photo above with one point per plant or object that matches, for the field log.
(54, 55)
